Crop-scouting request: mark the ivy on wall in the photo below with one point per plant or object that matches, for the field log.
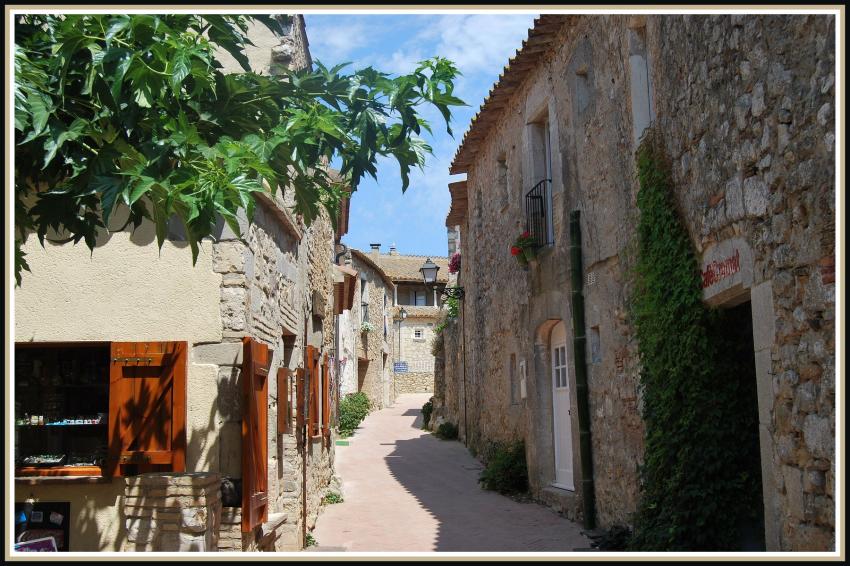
(701, 483)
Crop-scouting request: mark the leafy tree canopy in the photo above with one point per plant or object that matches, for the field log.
(136, 111)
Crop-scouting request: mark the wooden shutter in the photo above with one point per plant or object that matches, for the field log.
(256, 360)
(284, 402)
(147, 407)
(313, 371)
(326, 401)
(300, 398)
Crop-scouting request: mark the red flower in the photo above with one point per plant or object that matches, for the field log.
(515, 250)
(525, 235)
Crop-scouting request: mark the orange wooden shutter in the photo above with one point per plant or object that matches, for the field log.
(284, 402)
(326, 401)
(300, 401)
(313, 370)
(147, 407)
(256, 360)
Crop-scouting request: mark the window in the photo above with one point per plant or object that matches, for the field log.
(501, 181)
(538, 200)
(256, 360)
(595, 345)
(61, 409)
(314, 377)
(93, 409)
(514, 381)
(418, 334)
(420, 298)
(640, 82)
(364, 302)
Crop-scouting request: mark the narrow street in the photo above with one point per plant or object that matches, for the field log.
(406, 490)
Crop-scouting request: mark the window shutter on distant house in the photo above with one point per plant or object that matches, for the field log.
(256, 360)
(147, 407)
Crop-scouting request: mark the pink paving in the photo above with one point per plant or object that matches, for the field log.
(406, 490)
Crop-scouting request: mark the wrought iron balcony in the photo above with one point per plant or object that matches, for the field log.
(535, 213)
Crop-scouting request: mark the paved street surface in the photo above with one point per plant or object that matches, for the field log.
(405, 490)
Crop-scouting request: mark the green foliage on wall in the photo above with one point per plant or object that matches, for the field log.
(699, 483)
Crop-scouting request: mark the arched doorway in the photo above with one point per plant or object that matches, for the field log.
(561, 414)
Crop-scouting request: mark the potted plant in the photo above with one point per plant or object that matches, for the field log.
(454, 263)
(526, 243)
(516, 251)
(366, 327)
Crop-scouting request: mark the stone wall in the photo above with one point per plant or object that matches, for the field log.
(375, 363)
(751, 132)
(414, 382)
(745, 105)
(172, 512)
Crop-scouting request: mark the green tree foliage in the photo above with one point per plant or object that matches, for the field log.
(698, 478)
(136, 111)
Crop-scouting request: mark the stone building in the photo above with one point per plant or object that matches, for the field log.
(368, 334)
(745, 107)
(414, 314)
(219, 370)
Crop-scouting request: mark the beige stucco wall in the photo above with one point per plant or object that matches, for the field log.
(125, 291)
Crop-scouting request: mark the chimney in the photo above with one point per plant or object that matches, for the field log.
(392, 249)
(376, 249)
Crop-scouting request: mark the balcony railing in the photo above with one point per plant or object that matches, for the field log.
(535, 213)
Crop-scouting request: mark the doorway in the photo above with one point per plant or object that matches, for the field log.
(561, 413)
(733, 331)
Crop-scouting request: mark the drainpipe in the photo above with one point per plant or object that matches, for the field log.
(304, 431)
(580, 367)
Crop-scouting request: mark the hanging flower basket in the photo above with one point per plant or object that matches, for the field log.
(519, 255)
(524, 248)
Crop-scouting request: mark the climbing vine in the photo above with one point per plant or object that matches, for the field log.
(699, 483)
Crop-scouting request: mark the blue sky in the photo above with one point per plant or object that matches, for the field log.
(480, 45)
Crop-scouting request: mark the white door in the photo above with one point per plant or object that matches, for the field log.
(562, 419)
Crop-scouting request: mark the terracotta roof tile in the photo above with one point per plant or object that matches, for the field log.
(400, 267)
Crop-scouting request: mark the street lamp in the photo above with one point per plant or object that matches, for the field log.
(429, 274)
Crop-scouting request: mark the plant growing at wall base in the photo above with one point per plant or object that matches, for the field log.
(311, 541)
(697, 480)
(447, 431)
(353, 408)
(427, 409)
(332, 498)
(505, 468)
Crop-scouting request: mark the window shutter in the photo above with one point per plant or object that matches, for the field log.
(300, 401)
(256, 360)
(147, 407)
(315, 390)
(284, 402)
(326, 401)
